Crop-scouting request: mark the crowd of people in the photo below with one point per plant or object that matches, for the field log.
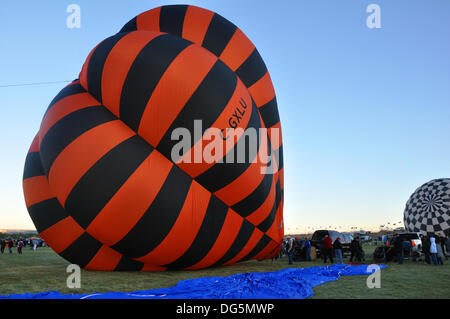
(434, 249)
(299, 249)
(7, 245)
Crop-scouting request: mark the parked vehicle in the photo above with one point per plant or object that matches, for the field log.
(364, 239)
(414, 239)
(319, 235)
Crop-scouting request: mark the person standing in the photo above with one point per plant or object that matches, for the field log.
(290, 250)
(433, 250)
(439, 249)
(10, 245)
(20, 244)
(443, 240)
(355, 250)
(337, 246)
(308, 249)
(2, 246)
(447, 245)
(327, 249)
(426, 248)
(398, 249)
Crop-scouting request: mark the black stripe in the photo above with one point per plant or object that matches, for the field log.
(262, 243)
(33, 166)
(127, 264)
(268, 221)
(96, 64)
(253, 201)
(269, 113)
(171, 19)
(82, 250)
(130, 26)
(159, 217)
(99, 184)
(206, 237)
(252, 69)
(245, 232)
(65, 92)
(223, 173)
(46, 213)
(206, 104)
(145, 73)
(219, 33)
(279, 157)
(70, 127)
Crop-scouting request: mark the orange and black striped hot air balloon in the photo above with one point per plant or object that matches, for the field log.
(101, 181)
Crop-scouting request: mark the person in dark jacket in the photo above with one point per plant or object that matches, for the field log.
(398, 247)
(426, 248)
(337, 247)
(10, 245)
(290, 249)
(441, 248)
(327, 245)
(2, 246)
(355, 250)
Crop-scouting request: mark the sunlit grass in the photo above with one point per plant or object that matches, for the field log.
(44, 270)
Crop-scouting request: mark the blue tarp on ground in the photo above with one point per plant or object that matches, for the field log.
(291, 283)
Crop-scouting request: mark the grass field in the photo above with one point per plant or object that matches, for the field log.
(43, 270)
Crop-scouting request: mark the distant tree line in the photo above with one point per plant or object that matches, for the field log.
(18, 235)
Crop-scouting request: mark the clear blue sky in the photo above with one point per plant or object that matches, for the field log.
(365, 112)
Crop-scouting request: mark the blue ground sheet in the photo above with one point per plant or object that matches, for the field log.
(290, 283)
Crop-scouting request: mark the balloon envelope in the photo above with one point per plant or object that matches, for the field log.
(108, 185)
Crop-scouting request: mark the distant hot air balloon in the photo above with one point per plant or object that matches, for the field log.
(428, 209)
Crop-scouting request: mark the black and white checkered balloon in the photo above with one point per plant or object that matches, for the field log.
(428, 209)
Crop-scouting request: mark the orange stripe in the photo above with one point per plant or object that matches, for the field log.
(251, 243)
(34, 147)
(262, 91)
(252, 177)
(149, 20)
(117, 65)
(131, 201)
(173, 90)
(186, 162)
(228, 233)
(62, 234)
(261, 213)
(74, 161)
(196, 23)
(63, 108)
(185, 229)
(275, 231)
(237, 50)
(106, 259)
(83, 74)
(281, 177)
(36, 190)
